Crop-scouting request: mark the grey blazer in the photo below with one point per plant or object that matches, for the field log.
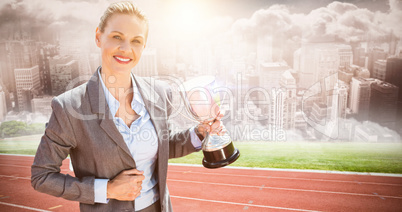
(82, 126)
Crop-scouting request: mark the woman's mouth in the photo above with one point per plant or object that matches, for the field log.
(122, 60)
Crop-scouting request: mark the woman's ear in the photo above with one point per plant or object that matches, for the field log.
(97, 37)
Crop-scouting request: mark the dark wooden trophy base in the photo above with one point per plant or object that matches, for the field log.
(221, 157)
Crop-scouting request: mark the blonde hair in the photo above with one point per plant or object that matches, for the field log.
(124, 7)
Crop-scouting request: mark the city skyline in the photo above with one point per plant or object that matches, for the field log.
(288, 51)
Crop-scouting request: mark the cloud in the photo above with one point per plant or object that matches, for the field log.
(392, 19)
(276, 19)
(338, 21)
(42, 16)
(346, 22)
(341, 8)
(341, 21)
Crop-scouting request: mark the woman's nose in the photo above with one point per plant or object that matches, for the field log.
(124, 46)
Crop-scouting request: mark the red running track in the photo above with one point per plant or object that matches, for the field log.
(227, 189)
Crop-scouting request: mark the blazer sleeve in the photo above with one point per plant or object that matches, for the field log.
(54, 147)
(179, 143)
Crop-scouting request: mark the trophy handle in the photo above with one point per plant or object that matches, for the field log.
(175, 108)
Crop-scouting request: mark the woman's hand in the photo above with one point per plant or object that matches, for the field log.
(214, 128)
(126, 186)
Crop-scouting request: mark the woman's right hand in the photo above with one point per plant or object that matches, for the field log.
(126, 186)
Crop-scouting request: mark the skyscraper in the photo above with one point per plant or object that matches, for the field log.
(345, 74)
(379, 69)
(319, 60)
(148, 64)
(16, 54)
(95, 61)
(359, 56)
(3, 106)
(296, 60)
(360, 71)
(42, 105)
(345, 55)
(327, 62)
(365, 134)
(78, 48)
(168, 54)
(335, 124)
(360, 97)
(374, 55)
(264, 48)
(46, 51)
(203, 60)
(383, 103)
(63, 69)
(3, 61)
(319, 114)
(393, 74)
(306, 67)
(339, 102)
(269, 80)
(288, 83)
(271, 74)
(27, 82)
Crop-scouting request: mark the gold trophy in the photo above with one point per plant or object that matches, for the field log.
(204, 106)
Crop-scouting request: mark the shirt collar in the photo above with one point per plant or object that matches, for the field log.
(137, 104)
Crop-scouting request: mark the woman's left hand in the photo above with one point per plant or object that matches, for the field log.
(214, 128)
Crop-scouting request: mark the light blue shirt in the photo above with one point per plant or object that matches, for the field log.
(142, 141)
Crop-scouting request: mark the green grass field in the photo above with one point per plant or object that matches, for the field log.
(26, 145)
(358, 157)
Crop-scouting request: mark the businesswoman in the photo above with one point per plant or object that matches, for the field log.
(115, 128)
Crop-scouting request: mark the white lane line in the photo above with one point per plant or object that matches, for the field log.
(15, 177)
(381, 197)
(246, 207)
(241, 204)
(17, 155)
(286, 189)
(63, 170)
(15, 165)
(295, 170)
(256, 176)
(24, 207)
(15, 159)
(291, 178)
(266, 169)
(58, 206)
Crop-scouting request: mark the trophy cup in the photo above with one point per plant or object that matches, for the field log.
(204, 106)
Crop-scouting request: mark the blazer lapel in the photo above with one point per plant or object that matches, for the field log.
(99, 105)
(154, 104)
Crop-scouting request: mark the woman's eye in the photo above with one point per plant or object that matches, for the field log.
(136, 41)
(117, 37)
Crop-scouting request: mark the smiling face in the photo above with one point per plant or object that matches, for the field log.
(122, 43)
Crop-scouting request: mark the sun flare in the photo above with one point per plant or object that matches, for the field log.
(187, 16)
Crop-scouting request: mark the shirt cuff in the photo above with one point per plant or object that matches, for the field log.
(100, 188)
(194, 139)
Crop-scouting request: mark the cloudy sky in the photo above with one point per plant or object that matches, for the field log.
(193, 19)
